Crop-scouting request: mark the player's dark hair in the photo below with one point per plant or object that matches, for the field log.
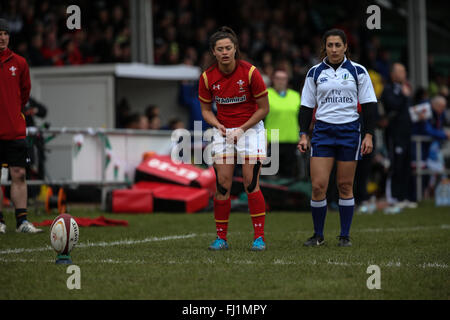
(332, 32)
(225, 33)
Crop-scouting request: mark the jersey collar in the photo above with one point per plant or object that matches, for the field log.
(5, 55)
(324, 61)
(227, 75)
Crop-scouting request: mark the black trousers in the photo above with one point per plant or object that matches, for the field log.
(363, 171)
(288, 160)
(400, 172)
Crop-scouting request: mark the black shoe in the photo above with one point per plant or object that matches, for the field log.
(314, 241)
(344, 241)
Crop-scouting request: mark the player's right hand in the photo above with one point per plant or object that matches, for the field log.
(222, 129)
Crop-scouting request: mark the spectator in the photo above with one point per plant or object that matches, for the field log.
(154, 123)
(152, 110)
(35, 52)
(36, 143)
(51, 50)
(175, 123)
(432, 127)
(137, 121)
(123, 112)
(283, 115)
(363, 200)
(188, 97)
(72, 54)
(396, 99)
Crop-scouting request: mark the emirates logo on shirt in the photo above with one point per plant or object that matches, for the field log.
(13, 71)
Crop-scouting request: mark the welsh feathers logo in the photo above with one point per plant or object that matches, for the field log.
(13, 71)
(241, 84)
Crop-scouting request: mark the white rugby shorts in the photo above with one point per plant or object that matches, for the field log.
(251, 146)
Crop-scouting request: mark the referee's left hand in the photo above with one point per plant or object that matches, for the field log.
(367, 144)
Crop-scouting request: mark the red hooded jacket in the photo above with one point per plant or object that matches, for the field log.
(15, 88)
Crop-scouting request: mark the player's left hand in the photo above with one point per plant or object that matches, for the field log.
(367, 144)
(234, 135)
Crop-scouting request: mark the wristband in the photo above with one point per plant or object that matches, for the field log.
(301, 133)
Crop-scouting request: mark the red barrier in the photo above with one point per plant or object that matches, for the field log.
(132, 201)
(161, 168)
(170, 197)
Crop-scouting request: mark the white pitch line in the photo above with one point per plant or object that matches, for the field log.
(208, 261)
(103, 244)
(176, 237)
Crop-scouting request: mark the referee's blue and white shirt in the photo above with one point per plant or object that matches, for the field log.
(337, 92)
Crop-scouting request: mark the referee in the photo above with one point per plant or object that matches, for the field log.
(14, 93)
(335, 87)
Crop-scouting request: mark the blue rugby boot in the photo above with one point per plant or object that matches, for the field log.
(218, 244)
(258, 244)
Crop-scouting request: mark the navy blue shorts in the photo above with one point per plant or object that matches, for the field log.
(339, 141)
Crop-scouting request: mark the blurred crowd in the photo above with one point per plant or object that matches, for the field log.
(39, 33)
(283, 34)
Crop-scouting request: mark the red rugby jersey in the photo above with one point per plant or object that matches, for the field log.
(235, 94)
(15, 88)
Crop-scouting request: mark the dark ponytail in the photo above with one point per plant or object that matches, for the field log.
(225, 33)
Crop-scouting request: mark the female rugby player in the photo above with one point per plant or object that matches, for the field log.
(239, 92)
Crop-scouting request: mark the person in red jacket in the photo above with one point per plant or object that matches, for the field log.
(14, 93)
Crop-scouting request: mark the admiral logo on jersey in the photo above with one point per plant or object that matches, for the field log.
(231, 100)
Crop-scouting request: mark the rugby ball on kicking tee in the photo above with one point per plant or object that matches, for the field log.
(64, 233)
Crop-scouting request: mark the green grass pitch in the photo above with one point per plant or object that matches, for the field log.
(165, 256)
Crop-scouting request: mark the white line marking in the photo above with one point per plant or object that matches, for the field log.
(103, 244)
(389, 264)
(176, 237)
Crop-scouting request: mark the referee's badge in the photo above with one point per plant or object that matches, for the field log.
(345, 77)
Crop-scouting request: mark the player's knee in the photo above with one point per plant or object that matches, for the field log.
(223, 185)
(319, 189)
(345, 188)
